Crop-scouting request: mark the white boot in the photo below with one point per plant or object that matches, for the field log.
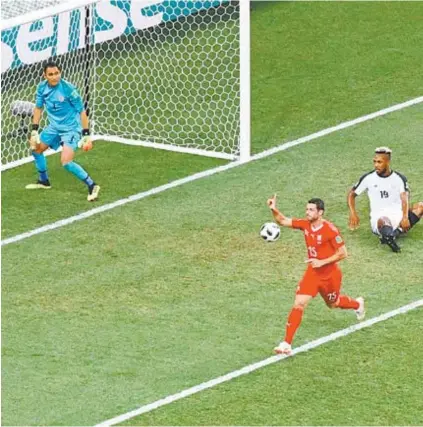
(360, 312)
(283, 348)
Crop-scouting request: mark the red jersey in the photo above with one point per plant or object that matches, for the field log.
(322, 242)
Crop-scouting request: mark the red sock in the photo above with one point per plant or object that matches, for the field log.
(294, 321)
(347, 302)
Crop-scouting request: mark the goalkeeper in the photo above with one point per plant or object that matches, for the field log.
(67, 127)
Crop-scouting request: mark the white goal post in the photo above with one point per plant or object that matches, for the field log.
(173, 75)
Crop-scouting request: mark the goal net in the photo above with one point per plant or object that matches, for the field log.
(166, 74)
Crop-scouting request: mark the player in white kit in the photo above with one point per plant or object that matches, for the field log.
(389, 194)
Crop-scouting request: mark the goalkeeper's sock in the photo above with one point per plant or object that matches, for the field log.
(79, 172)
(89, 181)
(345, 302)
(294, 321)
(41, 166)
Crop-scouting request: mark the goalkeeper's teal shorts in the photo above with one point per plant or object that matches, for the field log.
(55, 139)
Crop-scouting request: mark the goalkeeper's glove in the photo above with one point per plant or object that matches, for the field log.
(85, 142)
(34, 138)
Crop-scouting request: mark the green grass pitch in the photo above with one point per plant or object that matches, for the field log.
(127, 307)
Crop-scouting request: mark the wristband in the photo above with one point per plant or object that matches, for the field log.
(35, 127)
(85, 132)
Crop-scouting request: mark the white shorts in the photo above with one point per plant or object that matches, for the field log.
(394, 217)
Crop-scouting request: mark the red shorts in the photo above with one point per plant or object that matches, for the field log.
(328, 285)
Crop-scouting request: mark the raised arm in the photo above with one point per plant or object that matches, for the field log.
(354, 220)
(277, 215)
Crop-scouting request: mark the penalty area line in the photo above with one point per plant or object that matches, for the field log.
(209, 172)
(253, 367)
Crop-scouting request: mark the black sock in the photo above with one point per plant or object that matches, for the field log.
(414, 219)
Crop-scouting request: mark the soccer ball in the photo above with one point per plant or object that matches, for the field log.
(270, 231)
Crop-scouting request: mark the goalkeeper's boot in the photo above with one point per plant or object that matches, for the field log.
(93, 191)
(39, 185)
(283, 348)
(361, 311)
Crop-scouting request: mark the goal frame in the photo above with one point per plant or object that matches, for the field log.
(244, 137)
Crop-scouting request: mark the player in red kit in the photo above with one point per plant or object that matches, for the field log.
(325, 248)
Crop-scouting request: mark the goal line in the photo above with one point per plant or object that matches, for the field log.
(209, 172)
(253, 367)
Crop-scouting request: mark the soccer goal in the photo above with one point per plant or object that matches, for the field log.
(172, 75)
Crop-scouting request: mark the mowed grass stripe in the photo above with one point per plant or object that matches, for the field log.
(178, 289)
(258, 365)
(210, 172)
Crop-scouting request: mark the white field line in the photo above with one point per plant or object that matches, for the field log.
(253, 367)
(209, 172)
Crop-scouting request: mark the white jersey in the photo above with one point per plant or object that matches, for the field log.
(384, 192)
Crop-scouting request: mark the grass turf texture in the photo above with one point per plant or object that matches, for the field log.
(160, 295)
(121, 171)
(345, 382)
(315, 64)
(336, 68)
(143, 301)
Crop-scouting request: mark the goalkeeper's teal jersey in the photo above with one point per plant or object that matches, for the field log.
(63, 104)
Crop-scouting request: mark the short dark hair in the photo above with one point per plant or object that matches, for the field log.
(51, 64)
(383, 150)
(320, 204)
